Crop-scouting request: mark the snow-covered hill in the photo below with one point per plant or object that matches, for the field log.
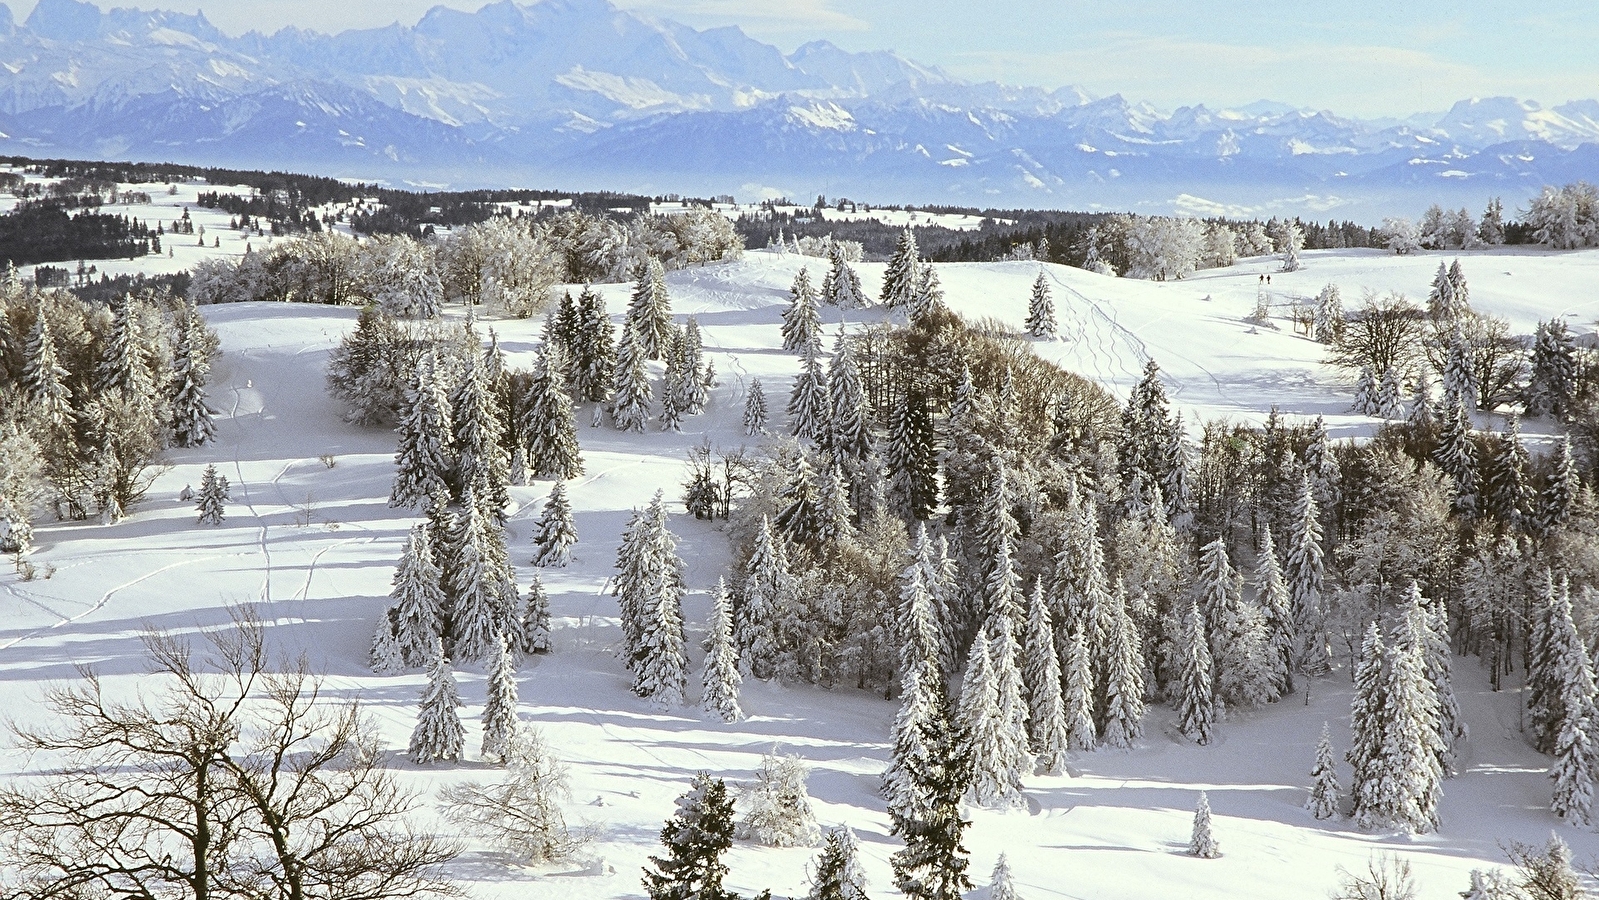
(585, 94)
(314, 545)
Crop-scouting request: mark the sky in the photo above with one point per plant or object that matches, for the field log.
(1367, 58)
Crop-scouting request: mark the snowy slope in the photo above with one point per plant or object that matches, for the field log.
(315, 547)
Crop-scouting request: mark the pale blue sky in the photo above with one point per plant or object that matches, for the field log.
(1356, 57)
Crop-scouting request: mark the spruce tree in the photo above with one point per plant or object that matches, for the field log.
(192, 419)
(649, 569)
(1368, 726)
(900, 279)
(837, 874)
(534, 632)
(117, 371)
(767, 590)
(1323, 800)
(385, 657)
(809, 414)
(649, 313)
(438, 734)
(1456, 456)
(630, 385)
(1507, 496)
(932, 865)
(44, 380)
(548, 423)
(693, 390)
(802, 322)
(929, 294)
(918, 727)
(423, 460)
(1042, 675)
(1553, 377)
(1573, 769)
(1276, 604)
(1560, 490)
(476, 581)
(660, 664)
(1366, 392)
(1560, 680)
(499, 711)
(1410, 775)
(1431, 625)
(1196, 706)
(1078, 692)
(695, 839)
(1421, 414)
(1124, 679)
(1441, 296)
(919, 635)
(1203, 843)
(912, 458)
(848, 436)
(1041, 309)
(1460, 373)
(417, 599)
(1458, 287)
(1388, 402)
(482, 466)
(755, 415)
(995, 782)
(1313, 649)
(213, 495)
(554, 534)
(999, 884)
(720, 680)
(594, 352)
(842, 287)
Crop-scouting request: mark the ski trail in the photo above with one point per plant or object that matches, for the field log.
(106, 598)
(261, 537)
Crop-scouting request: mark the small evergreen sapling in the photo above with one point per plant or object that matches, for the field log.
(554, 534)
(499, 712)
(439, 734)
(386, 658)
(214, 492)
(417, 599)
(535, 619)
(1000, 886)
(1041, 309)
(802, 322)
(720, 681)
(838, 875)
(1203, 842)
(1323, 799)
(695, 839)
(755, 415)
(777, 805)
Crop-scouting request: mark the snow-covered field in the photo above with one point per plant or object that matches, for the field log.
(314, 545)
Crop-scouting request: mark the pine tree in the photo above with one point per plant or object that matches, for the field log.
(848, 436)
(213, 494)
(900, 279)
(917, 728)
(1196, 707)
(660, 664)
(1203, 843)
(630, 385)
(1441, 296)
(809, 414)
(192, 419)
(1078, 692)
(755, 415)
(932, 865)
(385, 657)
(720, 680)
(1560, 682)
(439, 734)
(1323, 799)
(1421, 413)
(554, 534)
(929, 294)
(1041, 309)
(593, 358)
(482, 467)
(1389, 405)
(423, 460)
(1042, 674)
(1560, 490)
(802, 322)
(831, 526)
(548, 423)
(43, 377)
(477, 584)
(1411, 776)
(499, 712)
(1456, 456)
(1366, 392)
(649, 313)
(766, 598)
(1124, 679)
(1313, 650)
(417, 599)
(694, 382)
(999, 884)
(1276, 603)
(1458, 287)
(1428, 623)
(1553, 376)
(1460, 373)
(1573, 769)
(837, 874)
(917, 619)
(842, 287)
(117, 369)
(777, 805)
(1507, 495)
(534, 632)
(1368, 726)
(912, 458)
(695, 839)
(649, 569)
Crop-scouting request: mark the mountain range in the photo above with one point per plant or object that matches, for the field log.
(581, 94)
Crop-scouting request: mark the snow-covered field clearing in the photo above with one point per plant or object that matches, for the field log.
(314, 545)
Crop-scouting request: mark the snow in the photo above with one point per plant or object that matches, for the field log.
(315, 547)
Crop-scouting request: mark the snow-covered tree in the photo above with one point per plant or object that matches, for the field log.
(650, 591)
(476, 581)
(918, 727)
(1410, 776)
(1560, 489)
(534, 633)
(1196, 706)
(1323, 799)
(548, 423)
(809, 413)
(994, 749)
(554, 533)
(1560, 678)
(837, 874)
(842, 287)
(44, 379)
(1313, 651)
(911, 456)
(929, 293)
(499, 710)
(1124, 678)
(777, 805)
(1460, 369)
(438, 734)
(423, 461)
(630, 385)
(214, 492)
(417, 599)
(1041, 309)
(1202, 843)
(1506, 495)
(900, 277)
(1078, 691)
(1000, 886)
(767, 592)
(755, 415)
(592, 357)
(1369, 716)
(192, 418)
(695, 839)
(1042, 675)
(1458, 287)
(932, 865)
(720, 679)
(802, 322)
(1290, 239)
(660, 665)
(385, 657)
(1552, 380)
(1277, 605)
(649, 312)
(522, 814)
(1327, 321)
(848, 436)
(1573, 771)
(1441, 296)
(1389, 404)
(1456, 455)
(1366, 393)
(482, 467)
